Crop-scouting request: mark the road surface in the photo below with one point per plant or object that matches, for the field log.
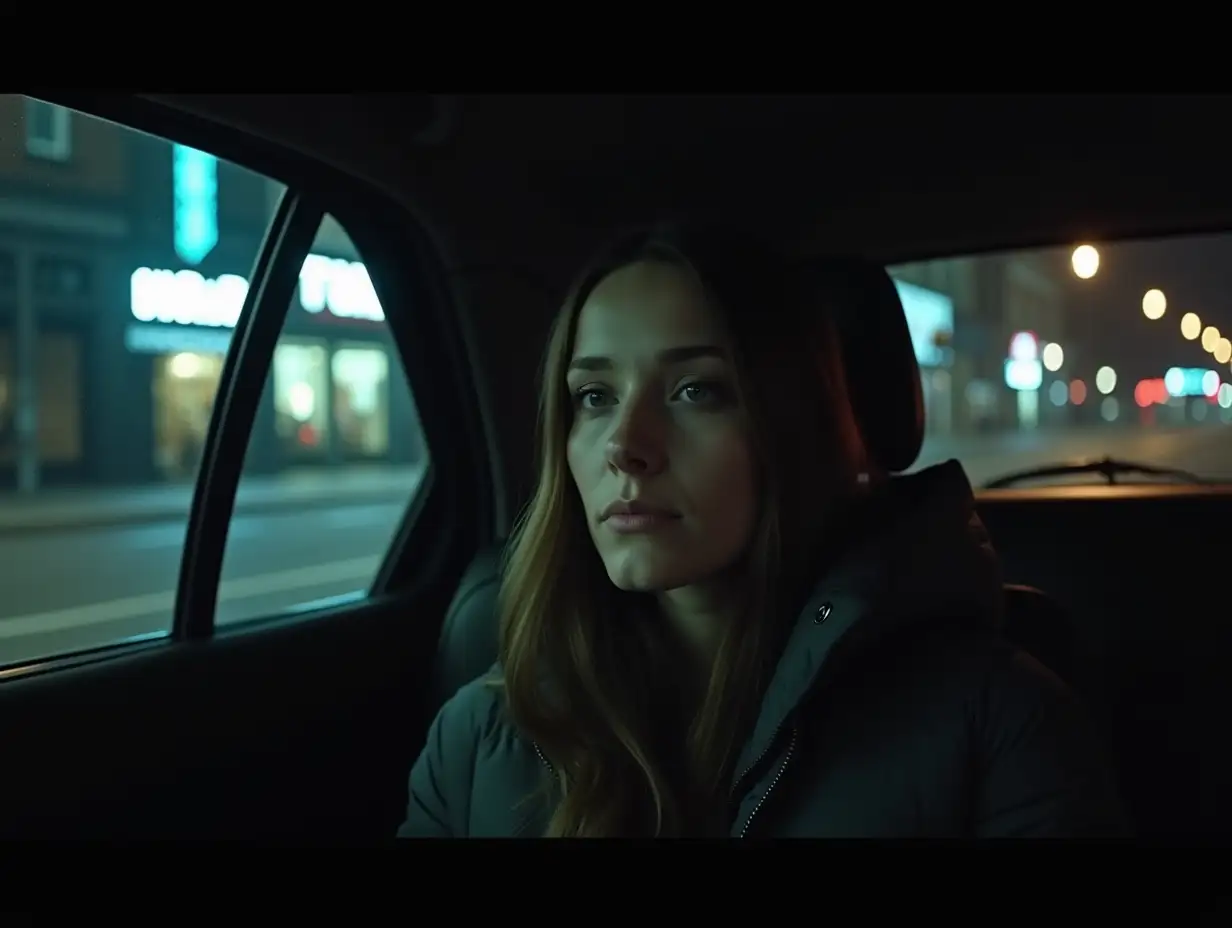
(67, 590)
(71, 590)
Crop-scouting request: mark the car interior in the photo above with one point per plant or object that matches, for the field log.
(471, 212)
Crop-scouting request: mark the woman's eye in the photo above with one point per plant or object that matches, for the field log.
(590, 398)
(701, 392)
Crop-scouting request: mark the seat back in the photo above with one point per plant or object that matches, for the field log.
(469, 635)
(1042, 627)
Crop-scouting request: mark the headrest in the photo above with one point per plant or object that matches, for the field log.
(883, 376)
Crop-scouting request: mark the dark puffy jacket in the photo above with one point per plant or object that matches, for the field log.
(896, 710)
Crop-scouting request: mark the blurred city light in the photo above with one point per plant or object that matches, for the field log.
(1224, 396)
(1024, 346)
(1022, 368)
(1210, 383)
(1105, 380)
(1077, 392)
(1085, 261)
(1058, 392)
(1154, 304)
(1174, 381)
(1053, 357)
(1223, 351)
(1109, 409)
(1191, 326)
(1151, 392)
(1191, 381)
(1023, 375)
(1210, 338)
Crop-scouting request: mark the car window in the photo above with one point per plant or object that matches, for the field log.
(123, 263)
(1076, 353)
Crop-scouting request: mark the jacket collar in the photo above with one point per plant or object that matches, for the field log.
(920, 554)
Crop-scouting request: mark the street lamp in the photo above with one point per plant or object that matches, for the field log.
(1053, 356)
(1210, 338)
(1191, 326)
(1085, 261)
(1105, 380)
(1154, 304)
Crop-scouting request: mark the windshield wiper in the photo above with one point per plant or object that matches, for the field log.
(1108, 468)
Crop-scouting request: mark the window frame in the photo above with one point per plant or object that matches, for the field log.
(247, 366)
(59, 145)
(459, 490)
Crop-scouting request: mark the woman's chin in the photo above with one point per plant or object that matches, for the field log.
(639, 574)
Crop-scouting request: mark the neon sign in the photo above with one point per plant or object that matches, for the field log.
(1023, 375)
(1024, 346)
(1023, 370)
(331, 285)
(194, 184)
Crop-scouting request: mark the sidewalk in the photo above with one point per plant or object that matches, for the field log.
(101, 506)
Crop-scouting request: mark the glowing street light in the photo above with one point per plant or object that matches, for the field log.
(1210, 338)
(1191, 326)
(1154, 304)
(1223, 351)
(1105, 380)
(1052, 356)
(1085, 261)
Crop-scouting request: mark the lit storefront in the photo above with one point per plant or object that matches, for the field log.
(335, 395)
(332, 398)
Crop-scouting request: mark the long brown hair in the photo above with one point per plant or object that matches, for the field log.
(576, 664)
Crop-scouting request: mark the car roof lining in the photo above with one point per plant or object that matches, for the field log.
(890, 177)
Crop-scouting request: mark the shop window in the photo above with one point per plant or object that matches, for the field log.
(361, 400)
(61, 278)
(58, 399)
(301, 398)
(48, 131)
(185, 385)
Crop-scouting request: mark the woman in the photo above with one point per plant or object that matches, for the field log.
(718, 619)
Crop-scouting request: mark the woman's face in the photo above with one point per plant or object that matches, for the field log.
(657, 447)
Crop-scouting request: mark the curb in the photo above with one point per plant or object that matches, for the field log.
(177, 514)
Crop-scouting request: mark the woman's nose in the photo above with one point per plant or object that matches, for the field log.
(636, 447)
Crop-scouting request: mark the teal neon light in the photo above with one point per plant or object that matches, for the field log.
(195, 187)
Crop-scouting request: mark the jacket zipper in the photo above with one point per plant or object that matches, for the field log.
(791, 749)
(760, 757)
(543, 758)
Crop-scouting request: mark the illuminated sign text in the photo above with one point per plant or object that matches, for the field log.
(331, 285)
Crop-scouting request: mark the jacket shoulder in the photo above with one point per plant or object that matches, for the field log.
(441, 784)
